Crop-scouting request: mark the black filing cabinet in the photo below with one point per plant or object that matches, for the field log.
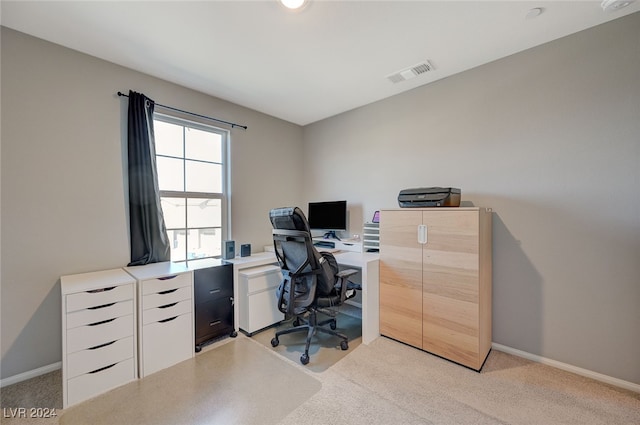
(213, 292)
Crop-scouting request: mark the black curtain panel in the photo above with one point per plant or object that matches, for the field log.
(149, 241)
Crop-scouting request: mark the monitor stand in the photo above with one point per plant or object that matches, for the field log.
(331, 235)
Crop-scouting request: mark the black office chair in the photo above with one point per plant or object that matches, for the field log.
(311, 281)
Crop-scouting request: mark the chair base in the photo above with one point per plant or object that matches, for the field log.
(311, 327)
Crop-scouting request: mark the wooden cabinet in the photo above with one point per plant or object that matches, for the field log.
(435, 281)
(98, 333)
(165, 306)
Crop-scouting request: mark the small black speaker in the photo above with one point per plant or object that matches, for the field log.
(229, 252)
(245, 250)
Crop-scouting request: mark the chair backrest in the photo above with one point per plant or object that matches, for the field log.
(302, 266)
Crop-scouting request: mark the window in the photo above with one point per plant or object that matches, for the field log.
(193, 182)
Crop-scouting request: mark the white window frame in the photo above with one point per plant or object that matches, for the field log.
(225, 196)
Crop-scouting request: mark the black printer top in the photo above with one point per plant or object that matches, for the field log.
(429, 190)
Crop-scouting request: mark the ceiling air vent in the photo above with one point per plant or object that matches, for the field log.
(411, 72)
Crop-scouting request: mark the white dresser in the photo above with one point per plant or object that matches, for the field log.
(166, 322)
(98, 333)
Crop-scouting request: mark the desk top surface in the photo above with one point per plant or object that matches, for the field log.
(94, 280)
(156, 270)
(355, 259)
(346, 258)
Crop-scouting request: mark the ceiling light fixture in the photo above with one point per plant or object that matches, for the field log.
(611, 5)
(293, 4)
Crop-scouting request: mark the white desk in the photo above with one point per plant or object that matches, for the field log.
(367, 262)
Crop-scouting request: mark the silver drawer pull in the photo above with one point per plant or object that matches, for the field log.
(101, 345)
(167, 277)
(168, 305)
(167, 292)
(100, 306)
(101, 323)
(103, 368)
(213, 291)
(217, 322)
(168, 320)
(95, 291)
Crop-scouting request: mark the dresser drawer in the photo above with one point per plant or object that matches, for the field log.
(99, 314)
(163, 298)
(166, 343)
(162, 284)
(88, 360)
(89, 336)
(261, 311)
(99, 297)
(258, 279)
(166, 312)
(213, 283)
(91, 384)
(213, 319)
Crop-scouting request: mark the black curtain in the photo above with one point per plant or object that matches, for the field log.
(149, 241)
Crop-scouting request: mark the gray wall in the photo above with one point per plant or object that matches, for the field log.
(548, 138)
(63, 195)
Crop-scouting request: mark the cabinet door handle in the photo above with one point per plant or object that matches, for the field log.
(168, 320)
(422, 234)
(213, 291)
(167, 277)
(217, 322)
(168, 305)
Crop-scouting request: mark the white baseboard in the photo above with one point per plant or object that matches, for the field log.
(569, 368)
(30, 374)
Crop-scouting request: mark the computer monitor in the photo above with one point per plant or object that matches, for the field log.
(329, 217)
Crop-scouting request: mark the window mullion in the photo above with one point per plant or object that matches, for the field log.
(184, 189)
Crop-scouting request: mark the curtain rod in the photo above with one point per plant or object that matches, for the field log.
(233, 125)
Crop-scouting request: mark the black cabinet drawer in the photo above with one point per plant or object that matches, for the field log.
(213, 283)
(213, 319)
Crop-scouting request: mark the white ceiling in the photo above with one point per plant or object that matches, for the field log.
(302, 66)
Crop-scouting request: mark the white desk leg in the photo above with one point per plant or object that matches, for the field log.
(370, 302)
(236, 298)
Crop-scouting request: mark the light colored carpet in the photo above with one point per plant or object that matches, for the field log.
(388, 382)
(242, 381)
(44, 391)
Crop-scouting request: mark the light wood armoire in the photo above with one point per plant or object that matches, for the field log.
(435, 281)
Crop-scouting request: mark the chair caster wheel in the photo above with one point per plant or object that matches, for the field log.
(344, 345)
(198, 348)
(233, 334)
(296, 322)
(332, 325)
(275, 342)
(304, 359)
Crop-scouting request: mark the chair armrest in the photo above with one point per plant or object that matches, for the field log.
(342, 282)
(346, 273)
